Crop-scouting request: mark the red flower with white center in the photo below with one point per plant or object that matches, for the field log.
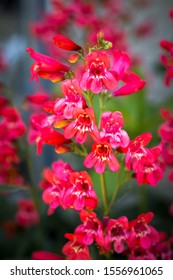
(56, 182)
(91, 230)
(65, 43)
(136, 150)
(111, 124)
(75, 250)
(97, 76)
(47, 67)
(141, 233)
(100, 156)
(117, 234)
(73, 99)
(80, 194)
(150, 169)
(84, 122)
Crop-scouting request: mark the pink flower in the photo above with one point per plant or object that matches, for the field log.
(75, 250)
(26, 214)
(150, 169)
(43, 133)
(56, 182)
(120, 67)
(136, 150)
(117, 234)
(47, 67)
(100, 156)
(80, 194)
(138, 253)
(165, 131)
(73, 99)
(84, 122)
(14, 125)
(141, 233)
(97, 76)
(91, 230)
(111, 124)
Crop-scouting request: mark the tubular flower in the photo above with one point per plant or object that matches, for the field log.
(47, 67)
(97, 74)
(72, 99)
(43, 133)
(111, 124)
(136, 150)
(100, 156)
(65, 43)
(117, 234)
(56, 182)
(74, 250)
(84, 122)
(120, 68)
(80, 194)
(141, 233)
(145, 162)
(91, 230)
(150, 169)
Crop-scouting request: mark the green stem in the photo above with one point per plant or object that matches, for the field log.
(120, 183)
(104, 194)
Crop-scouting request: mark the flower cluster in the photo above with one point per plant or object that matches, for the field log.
(167, 58)
(68, 188)
(72, 124)
(165, 131)
(136, 239)
(12, 128)
(26, 214)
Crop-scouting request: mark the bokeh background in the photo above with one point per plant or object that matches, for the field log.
(141, 114)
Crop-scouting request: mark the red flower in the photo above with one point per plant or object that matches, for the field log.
(97, 74)
(47, 67)
(91, 230)
(145, 162)
(150, 169)
(73, 99)
(141, 233)
(65, 43)
(136, 150)
(42, 132)
(100, 156)
(26, 214)
(111, 124)
(74, 250)
(120, 67)
(117, 234)
(80, 194)
(84, 122)
(56, 182)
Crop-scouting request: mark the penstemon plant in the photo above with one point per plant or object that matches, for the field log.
(105, 152)
(80, 122)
